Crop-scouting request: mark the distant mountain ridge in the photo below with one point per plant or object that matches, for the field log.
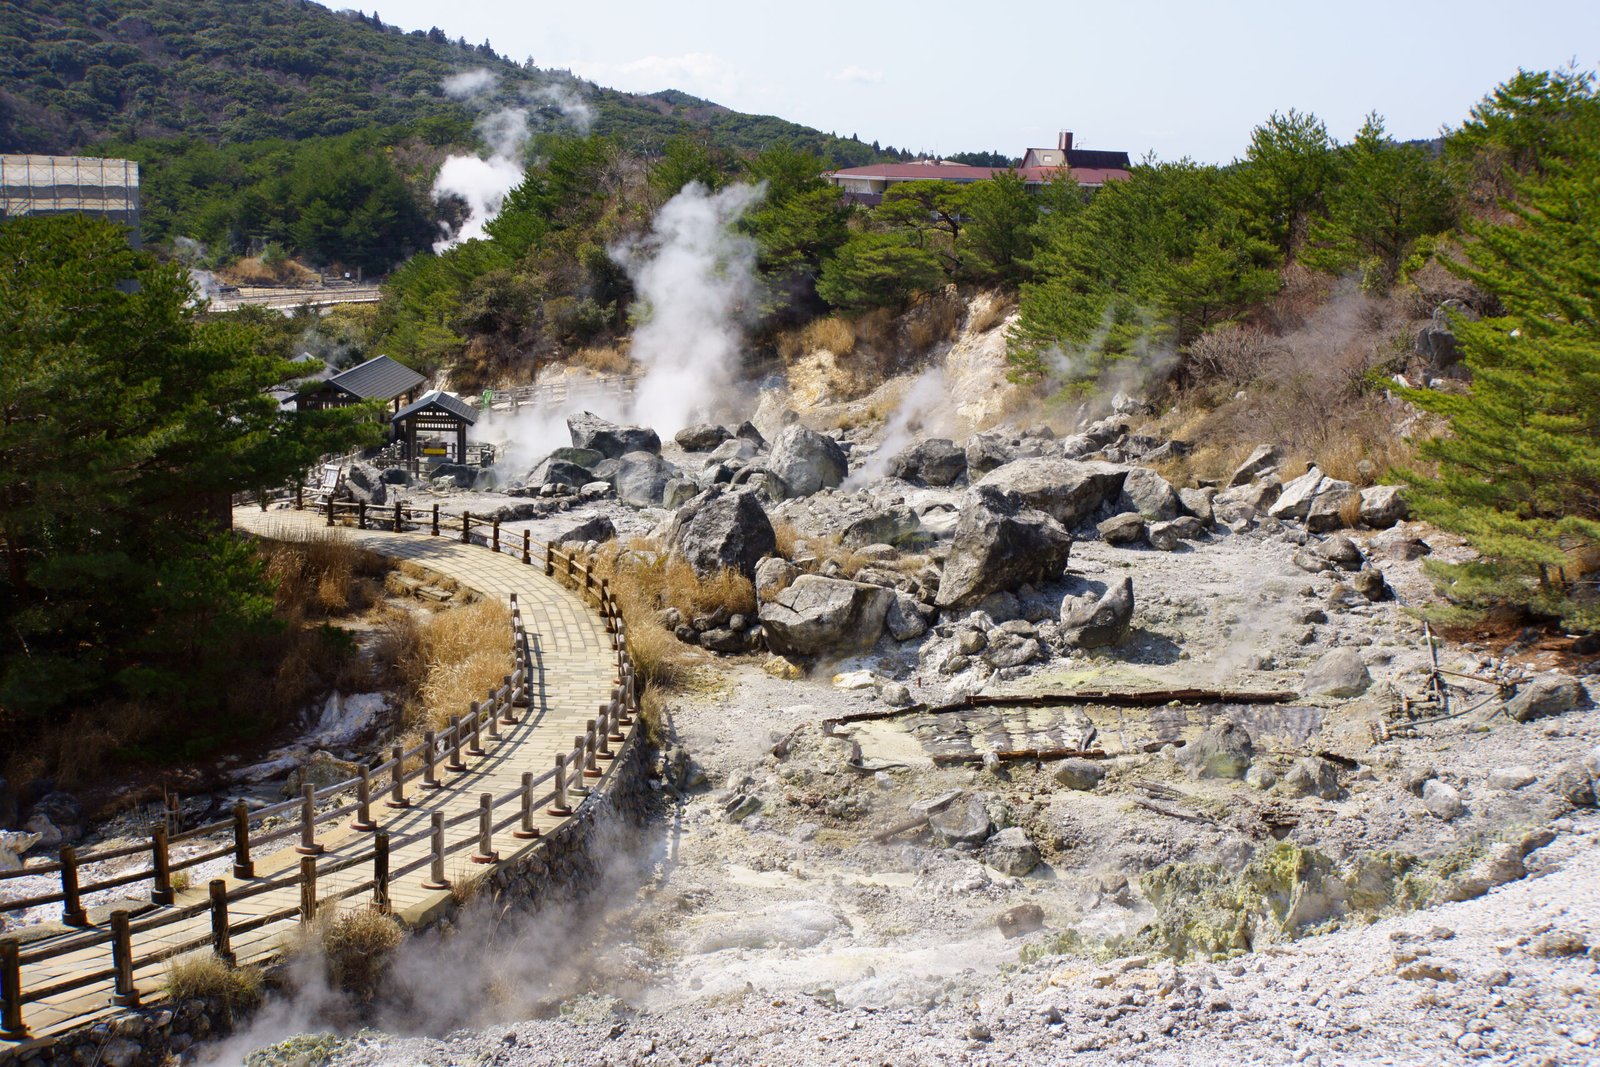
(78, 73)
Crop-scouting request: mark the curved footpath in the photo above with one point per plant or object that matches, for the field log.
(575, 672)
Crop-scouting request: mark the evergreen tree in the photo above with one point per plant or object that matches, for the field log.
(1519, 472)
(1386, 197)
(998, 237)
(126, 425)
(1285, 177)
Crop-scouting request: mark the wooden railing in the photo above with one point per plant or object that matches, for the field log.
(557, 791)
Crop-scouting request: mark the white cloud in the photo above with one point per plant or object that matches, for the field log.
(858, 75)
(699, 73)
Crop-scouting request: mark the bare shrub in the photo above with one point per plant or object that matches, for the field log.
(1234, 354)
(323, 576)
(206, 976)
(988, 313)
(357, 946)
(603, 359)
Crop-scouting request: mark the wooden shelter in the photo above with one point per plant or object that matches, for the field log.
(425, 427)
(380, 378)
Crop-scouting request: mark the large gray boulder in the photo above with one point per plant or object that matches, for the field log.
(1067, 490)
(553, 471)
(1383, 506)
(1221, 751)
(898, 526)
(936, 461)
(1145, 491)
(641, 479)
(1010, 852)
(607, 438)
(1547, 694)
(721, 530)
(1099, 623)
(903, 621)
(702, 438)
(1259, 462)
(1339, 673)
(807, 461)
(1298, 496)
(817, 616)
(986, 452)
(1000, 543)
(964, 820)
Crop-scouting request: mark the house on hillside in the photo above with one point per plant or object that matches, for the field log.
(1089, 168)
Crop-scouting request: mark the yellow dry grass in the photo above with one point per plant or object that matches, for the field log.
(448, 659)
(357, 945)
(205, 975)
(602, 359)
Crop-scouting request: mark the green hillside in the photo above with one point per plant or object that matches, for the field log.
(75, 75)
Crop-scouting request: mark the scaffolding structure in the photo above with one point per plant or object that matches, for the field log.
(59, 185)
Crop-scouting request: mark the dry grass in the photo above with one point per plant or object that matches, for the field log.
(834, 334)
(987, 314)
(935, 318)
(321, 576)
(250, 270)
(444, 661)
(785, 534)
(357, 946)
(603, 359)
(207, 976)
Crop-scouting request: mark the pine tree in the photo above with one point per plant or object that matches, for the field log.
(1519, 473)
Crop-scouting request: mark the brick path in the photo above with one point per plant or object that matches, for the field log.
(573, 654)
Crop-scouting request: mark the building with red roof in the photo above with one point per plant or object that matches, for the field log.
(1088, 167)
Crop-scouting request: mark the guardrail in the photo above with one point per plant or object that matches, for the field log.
(300, 298)
(557, 791)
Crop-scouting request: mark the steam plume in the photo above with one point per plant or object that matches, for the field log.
(919, 414)
(484, 183)
(696, 279)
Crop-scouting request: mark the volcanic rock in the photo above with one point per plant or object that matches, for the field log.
(1259, 462)
(1339, 673)
(1067, 490)
(936, 461)
(641, 479)
(721, 530)
(819, 615)
(1547, 694)
(607, 438)
(807, 461)
(1221, 751)
(1124, 529)
(702, 438)
(1000, 544)
(1145, 491)
(1102, 622)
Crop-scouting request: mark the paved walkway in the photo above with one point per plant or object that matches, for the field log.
(573, 654)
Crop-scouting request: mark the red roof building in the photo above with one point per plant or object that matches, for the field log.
(1089, 168)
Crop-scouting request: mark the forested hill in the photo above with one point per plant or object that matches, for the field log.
(76, 74)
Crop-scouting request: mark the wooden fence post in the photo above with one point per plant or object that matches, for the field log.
(308, 823)
(454, 764)
(435, 521)
(12, 1028)
(160, 867)
(550, 559)
(527, 831)
(299, 496)
(397, 793)
(308, 889)
(330, 509)
(221, 944)
(602, 733)
(361, 515)
(124, 993)
(527, 546)
(380, 872)
(475, 749)
(436, 878)
(363, 820)
(486, 852)
(430, 773)
(580, 746)
(508, 707)
(243, 866)
(71, 907)
(560, 806)
(466, 527)
(497, 535)
(592, 743)
(397, 519)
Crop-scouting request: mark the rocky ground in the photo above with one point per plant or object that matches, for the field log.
(1345, 872)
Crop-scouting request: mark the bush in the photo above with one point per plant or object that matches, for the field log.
(205, 975)
(447, 660)
(357, 946)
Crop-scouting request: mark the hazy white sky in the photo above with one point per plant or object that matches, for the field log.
(1164, 76)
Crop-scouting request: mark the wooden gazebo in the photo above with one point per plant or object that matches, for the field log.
(426, 426)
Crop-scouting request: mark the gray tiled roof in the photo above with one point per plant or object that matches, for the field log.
(450, 405)
(377, 379)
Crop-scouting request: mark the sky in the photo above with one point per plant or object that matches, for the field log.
(1174, 79)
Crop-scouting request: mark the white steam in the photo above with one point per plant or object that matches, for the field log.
(1134, 373)
(921, 413)
(484, 183)
(566, 101)
(469, 83)
(695, 279)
